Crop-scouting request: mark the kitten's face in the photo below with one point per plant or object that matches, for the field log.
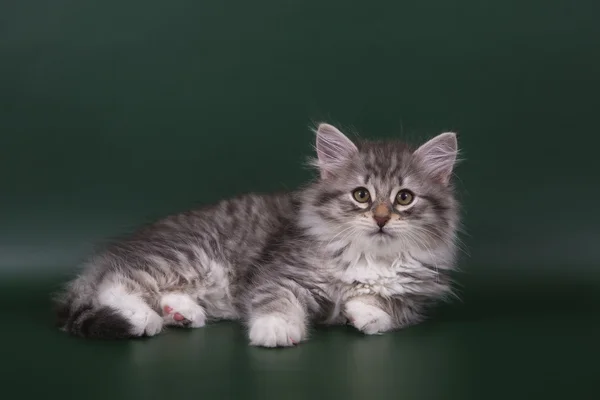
(384, 193)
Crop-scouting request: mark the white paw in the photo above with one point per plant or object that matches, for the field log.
(181, 310)
(367, 318)
(275, 330)
(154, 324)
(144, 321)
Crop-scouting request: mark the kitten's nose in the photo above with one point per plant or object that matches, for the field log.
(382, 215)
(381, 221)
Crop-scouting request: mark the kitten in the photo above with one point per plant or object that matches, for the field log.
(371, 242)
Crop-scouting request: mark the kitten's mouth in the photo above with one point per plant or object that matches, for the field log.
(381, 233)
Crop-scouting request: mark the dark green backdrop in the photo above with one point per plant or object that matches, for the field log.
(113, 113)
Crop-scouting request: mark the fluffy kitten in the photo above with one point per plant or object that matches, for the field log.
(370, 243)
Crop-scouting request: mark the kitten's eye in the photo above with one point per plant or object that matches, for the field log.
(361, 195)
(404, 197)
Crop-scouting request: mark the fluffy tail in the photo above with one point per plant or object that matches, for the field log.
(94, 322)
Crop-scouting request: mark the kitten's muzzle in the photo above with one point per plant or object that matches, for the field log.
(382, 214)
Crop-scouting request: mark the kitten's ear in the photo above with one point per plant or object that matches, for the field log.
(438, 156)
(333, 149)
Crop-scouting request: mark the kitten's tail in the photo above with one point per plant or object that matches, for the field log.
(90, 321)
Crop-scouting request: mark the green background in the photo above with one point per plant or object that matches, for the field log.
(115, 113)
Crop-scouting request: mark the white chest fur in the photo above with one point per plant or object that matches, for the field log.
(388, 276)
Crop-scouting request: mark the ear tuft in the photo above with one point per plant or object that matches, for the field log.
(333, 149)
(438, 156)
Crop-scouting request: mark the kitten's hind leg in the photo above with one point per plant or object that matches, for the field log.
(180, 309)
(277, 317)
(129, 304)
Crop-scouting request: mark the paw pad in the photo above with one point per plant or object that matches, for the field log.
(181, 310)
(178, 317)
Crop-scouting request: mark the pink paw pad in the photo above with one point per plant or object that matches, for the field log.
(176, 316)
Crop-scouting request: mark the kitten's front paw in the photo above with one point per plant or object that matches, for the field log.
(367, 318)
(275, 330)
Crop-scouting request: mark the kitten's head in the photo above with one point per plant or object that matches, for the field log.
(383, 194)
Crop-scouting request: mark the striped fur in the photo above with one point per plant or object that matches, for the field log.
(284, 262)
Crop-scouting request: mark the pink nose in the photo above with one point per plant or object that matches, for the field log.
(381, 220)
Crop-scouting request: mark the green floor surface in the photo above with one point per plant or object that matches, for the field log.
(503, 341)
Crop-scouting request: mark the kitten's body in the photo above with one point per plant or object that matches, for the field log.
(281, 262)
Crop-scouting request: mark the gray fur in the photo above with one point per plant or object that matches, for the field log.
(283, 262)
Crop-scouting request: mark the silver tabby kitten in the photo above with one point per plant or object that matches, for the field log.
(370, 243)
